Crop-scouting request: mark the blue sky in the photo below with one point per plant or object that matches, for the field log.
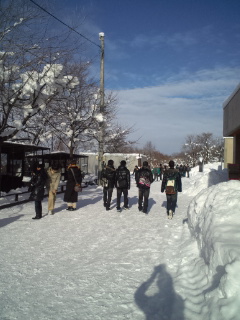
(172, 63)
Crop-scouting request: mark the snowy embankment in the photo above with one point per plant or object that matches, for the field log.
(213, 219)
(93, 264)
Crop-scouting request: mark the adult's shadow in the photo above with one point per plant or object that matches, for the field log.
(88, 201)
(4, 222)
(163, 305)
(133, 201)
(151, 202)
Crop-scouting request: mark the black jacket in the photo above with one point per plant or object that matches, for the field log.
(144, 174)
(70, 194)
(108, 176)
(122, 180)
(37, 184)
(170, 173)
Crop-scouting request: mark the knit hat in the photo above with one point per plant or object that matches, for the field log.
(55, 166)
(110, 162)
(171, 164)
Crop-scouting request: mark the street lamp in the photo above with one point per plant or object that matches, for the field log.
(101, 124)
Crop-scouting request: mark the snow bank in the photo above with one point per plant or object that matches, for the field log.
(213, 219)
(212, 174)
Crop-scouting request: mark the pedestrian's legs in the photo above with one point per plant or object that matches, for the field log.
(51, 200)
(125, 194)
(110, 191)
(146, 196)
(69, 204)
(38, 208)
(105, 191)
(168, 202)
(140, 199)
(174, 202)
(119, 193)
(171, 202)
(74, 205)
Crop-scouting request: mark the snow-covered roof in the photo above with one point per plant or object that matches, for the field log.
(231, 96)
(10, 145)
(115, 154)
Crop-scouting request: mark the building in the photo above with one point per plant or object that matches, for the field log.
(132, 160)
(16, 160)
(63, 159)
(231, 128)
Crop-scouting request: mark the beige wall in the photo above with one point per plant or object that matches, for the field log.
(228, 150)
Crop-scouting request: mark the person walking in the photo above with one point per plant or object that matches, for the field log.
(108, 183)
(155, 175)
(37, 183)
(188, 170)
(171, 184)
(122, 183)
(54, 176)
(161, 171)
(135, 170)
(144, 179)
(74, 177)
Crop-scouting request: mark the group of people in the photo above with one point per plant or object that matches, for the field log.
(158, 171)
(51, 179)
(120, 178)
(110, 178)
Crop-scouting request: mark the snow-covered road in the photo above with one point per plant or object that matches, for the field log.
(92, 264)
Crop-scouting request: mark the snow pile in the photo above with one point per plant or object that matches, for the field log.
(213, 219)
(211, 175)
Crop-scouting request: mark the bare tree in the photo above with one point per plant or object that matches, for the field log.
(202, 145)
(116, 139)
(70, 119)
(30, 77)
(191, 149)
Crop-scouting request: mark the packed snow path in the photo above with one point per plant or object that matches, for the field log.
(95, 264)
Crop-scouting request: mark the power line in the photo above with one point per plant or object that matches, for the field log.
(65, 24)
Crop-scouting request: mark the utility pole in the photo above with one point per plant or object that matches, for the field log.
(101, 124)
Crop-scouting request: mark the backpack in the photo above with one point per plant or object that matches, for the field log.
(144, 180)
(122, 181)
(171, 185)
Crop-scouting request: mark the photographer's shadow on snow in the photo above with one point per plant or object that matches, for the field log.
(164, 304)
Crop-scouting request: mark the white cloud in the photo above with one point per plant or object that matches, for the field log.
(184, 104)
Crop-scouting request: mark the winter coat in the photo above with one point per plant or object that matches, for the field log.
(108, 177)
(122, 180)
(53, 179)
(37, 184)
(70, 194)
(170, 173)
(144, 178)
